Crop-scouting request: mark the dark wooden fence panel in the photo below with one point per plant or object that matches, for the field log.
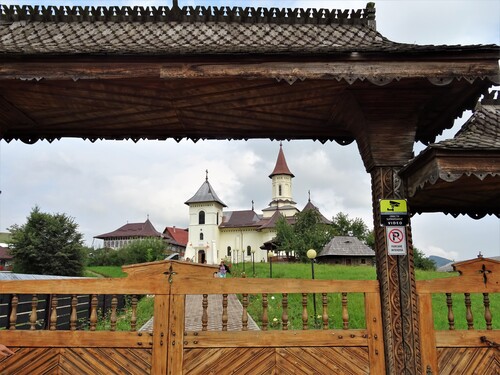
(43, 305)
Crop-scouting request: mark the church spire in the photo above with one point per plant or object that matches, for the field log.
(281, 167)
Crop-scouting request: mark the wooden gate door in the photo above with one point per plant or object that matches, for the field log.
(225, 340)
(470, 341)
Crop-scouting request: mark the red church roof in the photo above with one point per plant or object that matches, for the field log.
(179, 235)
(281, 166)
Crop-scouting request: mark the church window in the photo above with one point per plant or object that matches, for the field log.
(279, 190)
(201, 236)
(249, 250)
(217, 218)
(201, 217)
(229, 251)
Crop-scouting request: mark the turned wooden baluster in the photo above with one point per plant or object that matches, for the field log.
(345, 312)
(468, 312)
(34, 314)
(325, 310)
(114, 313)
(304, 311)
(265, 317)
(133, 318)
(284, 315)
(244, 317)
(204, 314)
(487, 313)
(73, 316)
(224, 312)
(14, 302)
(93, 312)
(53, 313)
(451, 316)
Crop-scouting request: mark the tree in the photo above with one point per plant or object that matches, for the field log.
(48, 244)
(422, 262)
(143, 250)
(343, 226)
(308, 232)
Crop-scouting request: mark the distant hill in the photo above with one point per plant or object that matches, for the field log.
(440, 261)
(4, 237)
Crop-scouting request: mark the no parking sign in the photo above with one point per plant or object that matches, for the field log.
(396, 240)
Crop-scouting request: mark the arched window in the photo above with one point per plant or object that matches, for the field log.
(279, 190)
(229, 251)
(249, 250)
(201, 217)
(201, 236)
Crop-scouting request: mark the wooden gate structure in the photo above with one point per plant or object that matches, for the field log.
(324, 345)
(234, 73)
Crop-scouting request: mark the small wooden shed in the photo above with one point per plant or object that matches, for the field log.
(347, 250)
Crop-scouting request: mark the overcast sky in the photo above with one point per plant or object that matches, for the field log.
(106, 184)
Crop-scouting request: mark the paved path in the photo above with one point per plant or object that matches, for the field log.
(194, 311)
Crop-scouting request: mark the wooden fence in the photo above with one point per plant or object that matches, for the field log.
(475, 348)
(325, 341)
(33, 311)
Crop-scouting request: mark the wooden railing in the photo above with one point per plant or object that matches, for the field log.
(477, 285)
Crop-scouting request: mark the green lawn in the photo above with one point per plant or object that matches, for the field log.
(329, 272)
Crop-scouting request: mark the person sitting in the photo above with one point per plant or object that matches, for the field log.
(222, 269)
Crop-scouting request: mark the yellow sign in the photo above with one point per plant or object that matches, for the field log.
(392, 206)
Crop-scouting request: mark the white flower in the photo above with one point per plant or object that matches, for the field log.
(272, 297)
(275, 319)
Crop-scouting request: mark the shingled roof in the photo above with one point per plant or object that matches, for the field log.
(482, 129)
(447, 175)
(163, 30)
(346, 246)
(238, 219)
(205, 193)
(137, 230)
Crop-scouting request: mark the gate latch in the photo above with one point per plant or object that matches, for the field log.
(491, 344)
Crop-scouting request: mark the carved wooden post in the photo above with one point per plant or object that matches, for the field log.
(397, 285)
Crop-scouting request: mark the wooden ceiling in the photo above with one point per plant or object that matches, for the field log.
(146, 100)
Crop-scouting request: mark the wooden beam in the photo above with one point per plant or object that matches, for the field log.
(379, 72)
(80, 339)
(375, 71)
(271, 339)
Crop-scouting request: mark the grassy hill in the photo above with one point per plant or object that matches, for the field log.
(4, 237)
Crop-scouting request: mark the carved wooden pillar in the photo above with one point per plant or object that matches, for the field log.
(397, 285)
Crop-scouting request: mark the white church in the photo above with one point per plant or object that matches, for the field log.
(216, 234)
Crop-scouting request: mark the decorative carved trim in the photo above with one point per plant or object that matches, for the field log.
(13, 13)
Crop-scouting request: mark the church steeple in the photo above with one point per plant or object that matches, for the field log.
(281, 188)
(281, 167)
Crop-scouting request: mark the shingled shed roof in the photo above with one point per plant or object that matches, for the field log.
(346, 246)
(448, 175)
